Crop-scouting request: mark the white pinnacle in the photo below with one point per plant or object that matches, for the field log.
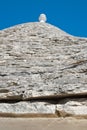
(42, 18)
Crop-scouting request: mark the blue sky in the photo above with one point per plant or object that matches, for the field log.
(69, 15)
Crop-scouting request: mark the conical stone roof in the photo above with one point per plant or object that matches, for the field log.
(40, 61)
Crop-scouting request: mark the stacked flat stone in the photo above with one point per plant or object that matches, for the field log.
(43, 70)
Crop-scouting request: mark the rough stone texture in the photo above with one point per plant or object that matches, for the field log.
(63, 108)
(72, 108)
(38, 60)
(27, 107)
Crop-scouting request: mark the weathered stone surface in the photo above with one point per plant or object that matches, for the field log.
(73, 108)
(64, 108)
(38, 60)
(27, 108)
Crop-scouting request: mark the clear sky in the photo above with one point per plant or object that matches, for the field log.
(69, 15)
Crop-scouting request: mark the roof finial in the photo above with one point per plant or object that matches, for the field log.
(42, 18)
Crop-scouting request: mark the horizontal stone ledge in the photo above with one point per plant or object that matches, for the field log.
(40, 115)
(59, 96)
(18, 98)
(9, 98)
(63, 114)
(28, 115)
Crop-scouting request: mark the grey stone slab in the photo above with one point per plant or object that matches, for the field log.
(40, 61)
